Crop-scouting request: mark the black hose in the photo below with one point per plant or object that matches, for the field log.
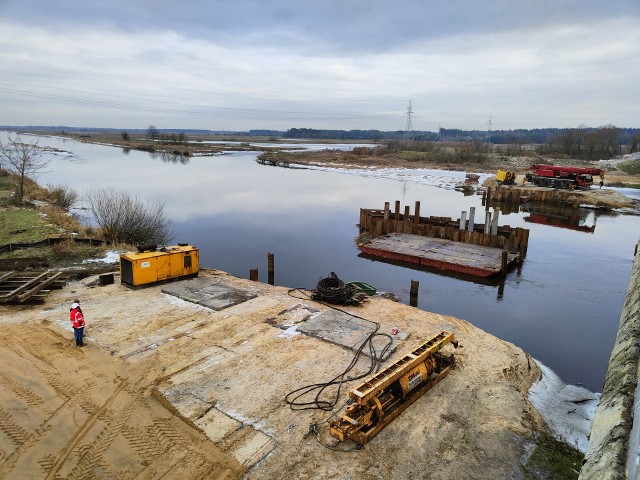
(294, 398)
(334, 290)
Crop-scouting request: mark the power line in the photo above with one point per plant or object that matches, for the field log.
(408, 131)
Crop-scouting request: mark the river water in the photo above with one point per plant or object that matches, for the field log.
(563, 306)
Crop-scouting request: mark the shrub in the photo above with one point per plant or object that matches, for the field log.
(63, 196)
(126, 219)
(362, 151)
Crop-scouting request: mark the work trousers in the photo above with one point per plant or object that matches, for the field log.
(78, 333)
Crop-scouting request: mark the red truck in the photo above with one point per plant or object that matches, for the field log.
(563, 177)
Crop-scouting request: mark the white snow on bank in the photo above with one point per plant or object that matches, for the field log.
(110, 257)
(567, 409)
(439, 178)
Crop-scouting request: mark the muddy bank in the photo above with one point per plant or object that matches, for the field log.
(224, 374)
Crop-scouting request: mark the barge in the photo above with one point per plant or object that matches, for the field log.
(441, 254)
(461, 245)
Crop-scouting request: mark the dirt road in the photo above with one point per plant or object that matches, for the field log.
(169, 389)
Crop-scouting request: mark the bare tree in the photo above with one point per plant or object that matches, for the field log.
(127, 219)
(152, 132)
(24, 160)
(125, 136)
(634, 143)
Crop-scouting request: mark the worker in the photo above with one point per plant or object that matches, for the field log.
(77, 320)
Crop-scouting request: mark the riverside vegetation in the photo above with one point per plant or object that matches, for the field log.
(44, 214)
(122, 221)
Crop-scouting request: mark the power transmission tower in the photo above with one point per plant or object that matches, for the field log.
(408, 131)
(488, 138)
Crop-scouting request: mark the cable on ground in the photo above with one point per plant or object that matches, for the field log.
(334, 289)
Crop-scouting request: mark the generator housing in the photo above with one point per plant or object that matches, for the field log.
(153, 265)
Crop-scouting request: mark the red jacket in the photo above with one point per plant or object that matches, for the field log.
(76, 317)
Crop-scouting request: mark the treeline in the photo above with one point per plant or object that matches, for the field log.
(593, 143)
(625, 136)
(373, 135)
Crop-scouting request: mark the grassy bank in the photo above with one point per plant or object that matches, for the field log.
(35, 221)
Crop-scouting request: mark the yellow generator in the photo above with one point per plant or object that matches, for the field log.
(151, 264)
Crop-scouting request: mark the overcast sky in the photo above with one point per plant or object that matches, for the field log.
(345, 64)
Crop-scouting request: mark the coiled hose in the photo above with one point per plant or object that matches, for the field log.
(334, 290)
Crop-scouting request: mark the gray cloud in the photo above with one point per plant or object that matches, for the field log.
(330, 64)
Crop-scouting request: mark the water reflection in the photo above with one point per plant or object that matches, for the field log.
(170, 157)
(580, 220)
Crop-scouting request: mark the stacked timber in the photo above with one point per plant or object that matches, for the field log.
(28, 287)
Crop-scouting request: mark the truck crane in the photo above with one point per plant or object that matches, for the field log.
(562, 177)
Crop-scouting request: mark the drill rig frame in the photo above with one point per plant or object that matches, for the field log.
(381, 398)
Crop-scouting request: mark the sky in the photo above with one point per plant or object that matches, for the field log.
(326, 64)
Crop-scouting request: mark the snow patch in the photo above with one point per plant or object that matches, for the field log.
(110, 257)
(568, 410)
(439, 178)
(289, 332)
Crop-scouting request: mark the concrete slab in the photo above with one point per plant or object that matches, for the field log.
(347, 331)
(254, 448)
(208, 292)
(216, 425)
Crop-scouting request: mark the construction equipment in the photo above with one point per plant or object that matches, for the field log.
(152, 264)
(381, 398)
(563, 177)
(506, 177)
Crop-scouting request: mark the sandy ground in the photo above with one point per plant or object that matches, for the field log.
(169, 389)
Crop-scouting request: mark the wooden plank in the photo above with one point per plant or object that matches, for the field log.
(5, 276)
(24, 286)
(26, 295)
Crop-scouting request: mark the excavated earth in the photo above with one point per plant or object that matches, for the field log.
(168, 388)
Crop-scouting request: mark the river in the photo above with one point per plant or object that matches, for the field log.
(563, 306)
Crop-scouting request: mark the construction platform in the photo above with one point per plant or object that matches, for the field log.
(440, 253)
